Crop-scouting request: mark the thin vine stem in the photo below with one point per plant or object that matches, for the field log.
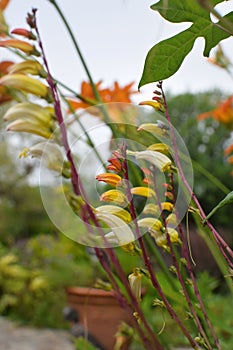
(175, 262)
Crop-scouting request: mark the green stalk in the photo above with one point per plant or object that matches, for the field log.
(211, 177)
(95, 91)
(160, 261)
(83, 61)
(214, 249)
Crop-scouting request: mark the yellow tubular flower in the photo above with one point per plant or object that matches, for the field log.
(152, 209)
(28, 67)
(115, 210)
(120, 229)
(143, 191)
(21, 125)
(109, 178)
(161, 241)
(114, 196)
(31, 112)
(171, 219)
(135, 281)
(157, 129)
(174, 235)
(50, 153)
(160, 147)
(20, 45)
(162, 162)
(155, 104)
(151, 224)
(167, 206)
(26, 84)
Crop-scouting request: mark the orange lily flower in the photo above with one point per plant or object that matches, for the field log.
(121, 94)
(228, 149)
(223, 113)
(117, 94)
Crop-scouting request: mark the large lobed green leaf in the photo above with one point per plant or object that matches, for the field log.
(165, 58)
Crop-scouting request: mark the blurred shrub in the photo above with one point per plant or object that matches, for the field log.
(33, 278)
(205, 142)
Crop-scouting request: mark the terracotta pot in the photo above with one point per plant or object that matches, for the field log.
(99, 313)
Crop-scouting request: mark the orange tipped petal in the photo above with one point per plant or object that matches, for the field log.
(20, 45)
(109, 178)
(24, 32)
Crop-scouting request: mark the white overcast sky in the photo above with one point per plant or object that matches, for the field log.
(115, 36)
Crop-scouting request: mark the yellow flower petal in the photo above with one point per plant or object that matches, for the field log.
(115, 210)
(114, 196)
(21, 125)
(143, 191)
(135, 281)
(151, 224)
(119, 228)
(155, 104)
(160, 160)
(26, 84)
(28, 67)
(160, 147)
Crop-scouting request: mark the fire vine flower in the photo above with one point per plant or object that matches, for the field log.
(26, 84)
(31, 118)
(110, 179)
(24, 32)
(51, 155)
(121, 233)
(28, 67)
(158, 159)
(21, 45)
(114, 196)
(143, 191)
(115, 210)
(135, 281)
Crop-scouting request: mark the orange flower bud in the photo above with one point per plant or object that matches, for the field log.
(24, 32)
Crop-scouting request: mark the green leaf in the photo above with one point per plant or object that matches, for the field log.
(165, 58)
(227, 200)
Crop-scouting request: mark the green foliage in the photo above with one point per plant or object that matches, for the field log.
(165, 58)
(82, 343)
(218, 306)
(33, 279)
(205, 141)
(227, 200)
